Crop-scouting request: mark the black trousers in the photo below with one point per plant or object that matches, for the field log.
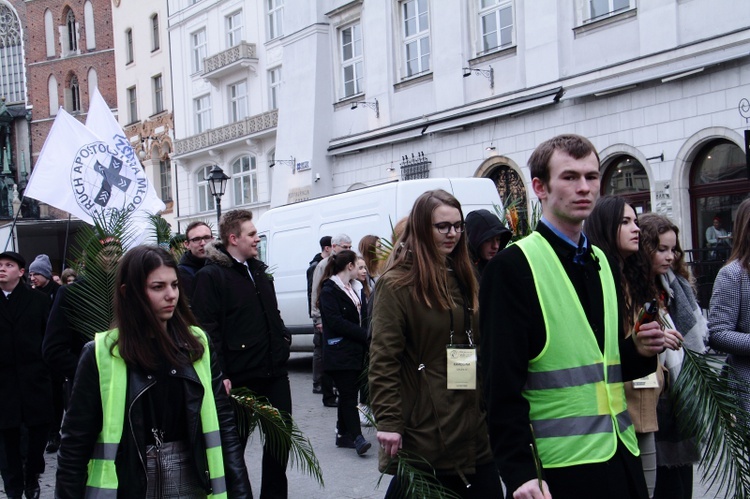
(674, 483)
(348, 383)
(274, 483)
(319, 376)
(485, 484)
(15, 474)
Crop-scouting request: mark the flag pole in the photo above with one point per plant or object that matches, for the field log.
(13, 227)
(65, 248)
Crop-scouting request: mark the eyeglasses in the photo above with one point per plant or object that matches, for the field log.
(196, 240)
(445, 227)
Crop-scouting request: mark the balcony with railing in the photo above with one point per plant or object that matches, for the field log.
(230, 60)
(228, 133)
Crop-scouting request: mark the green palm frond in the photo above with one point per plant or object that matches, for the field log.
(161, 229)
(98, 249)
(278, 429)
(418, 477)
(708, 406)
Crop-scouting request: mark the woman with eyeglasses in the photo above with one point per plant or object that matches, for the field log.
(424, 386)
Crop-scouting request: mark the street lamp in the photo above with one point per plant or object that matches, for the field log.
(217, 184)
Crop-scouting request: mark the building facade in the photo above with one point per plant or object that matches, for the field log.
(226, 69)
(144, 91)
(69, 53)
(369, 92)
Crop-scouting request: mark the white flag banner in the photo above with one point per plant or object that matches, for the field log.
(79, 173)
(101, 120)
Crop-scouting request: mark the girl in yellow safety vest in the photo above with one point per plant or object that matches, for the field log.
(149, 416)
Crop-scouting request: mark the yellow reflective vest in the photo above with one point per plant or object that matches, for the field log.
(575, 392)
(113, 375)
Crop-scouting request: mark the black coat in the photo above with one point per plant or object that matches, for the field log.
(62, 340)
(83, 423)
(187, 268)
(25, 386)
(344, 337)
(241, 316)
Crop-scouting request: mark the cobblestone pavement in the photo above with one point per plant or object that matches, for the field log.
(346, 475)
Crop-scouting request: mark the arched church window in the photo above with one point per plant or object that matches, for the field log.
(12, 72)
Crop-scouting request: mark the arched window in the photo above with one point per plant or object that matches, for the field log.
(205, 199)
(72, 35)
(93, 82)
(626, 177)
(718, 184)
(12, 73)
(49, 33)
(89, 25)
(245, 180)
(54, 100)
(512, 192)
(75, 95)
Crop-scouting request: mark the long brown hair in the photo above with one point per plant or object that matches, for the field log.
(335, 264)
(652, 226)
(602, 227)
(141, 340)
(417, 254)
(368, 248)
(741, 236)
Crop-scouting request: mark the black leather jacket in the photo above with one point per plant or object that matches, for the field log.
(83, 423)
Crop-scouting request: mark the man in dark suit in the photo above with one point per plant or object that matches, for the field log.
(25, 386)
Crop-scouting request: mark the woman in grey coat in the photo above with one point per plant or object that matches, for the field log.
(729, 313)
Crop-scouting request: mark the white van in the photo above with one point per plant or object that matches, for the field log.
(290, 234)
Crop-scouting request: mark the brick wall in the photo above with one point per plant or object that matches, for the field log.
(40, 67)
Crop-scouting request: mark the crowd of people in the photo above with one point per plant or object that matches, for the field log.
(547, 364)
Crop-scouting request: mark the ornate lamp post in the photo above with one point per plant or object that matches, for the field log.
(217, 184)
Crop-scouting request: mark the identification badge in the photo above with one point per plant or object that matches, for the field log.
(649, 381)
(462, 367)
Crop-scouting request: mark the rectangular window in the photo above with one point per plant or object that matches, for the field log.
(165, 177)
(601, 8)
(238, 101)
(205, 199)
(198, 44)
(496, 24)
(158, 94)
(245, 179)
(132, 105)
(274, 85)
(129, 46)
(234, 29)
(275, 18)
(155, 32)
(202, 107)
(351, 60)
(416, 36)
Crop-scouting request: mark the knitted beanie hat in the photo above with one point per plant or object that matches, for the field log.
(41, 265)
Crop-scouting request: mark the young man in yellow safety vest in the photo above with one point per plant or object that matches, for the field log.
(551, 351)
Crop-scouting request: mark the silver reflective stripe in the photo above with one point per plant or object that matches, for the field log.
(614, 374)
(97, 493)
(565, 427)
(104, 451)
(213, 439)
(563, 378)
(218, 485)
(624, 421)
